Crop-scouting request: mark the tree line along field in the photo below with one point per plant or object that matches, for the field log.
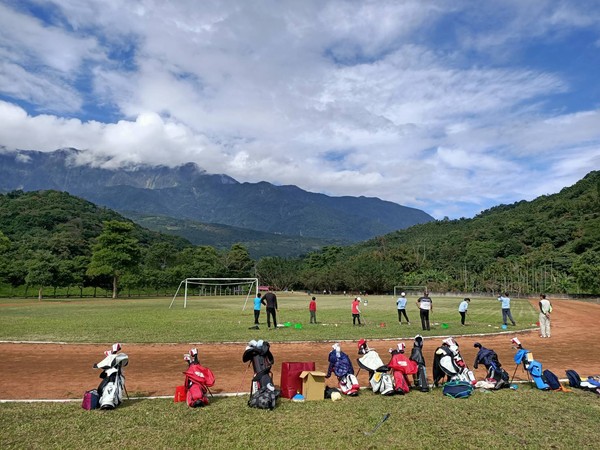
(221, 318)
(56, 244)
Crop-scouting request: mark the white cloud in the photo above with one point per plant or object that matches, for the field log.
(376, 98)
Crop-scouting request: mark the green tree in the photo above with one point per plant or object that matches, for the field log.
(115, 252)
(237, 262)
(41, 270)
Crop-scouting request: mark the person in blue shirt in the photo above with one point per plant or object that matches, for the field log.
(506, 314)
(257, 302)
(401, 304)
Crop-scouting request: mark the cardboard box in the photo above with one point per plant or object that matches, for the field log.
(313, 385)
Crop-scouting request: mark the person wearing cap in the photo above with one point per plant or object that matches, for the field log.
(356, 311)
(312, 309)
(401, 304)
(506, 314)
(545, 310)
(462, 309)
(425, 306)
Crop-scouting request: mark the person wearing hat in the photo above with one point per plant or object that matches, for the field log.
(312, 309)
(356, 311)
(462, 309)
(425, 307)
(401, 304)
(545, 310)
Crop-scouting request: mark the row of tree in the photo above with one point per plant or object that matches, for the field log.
(552, 244)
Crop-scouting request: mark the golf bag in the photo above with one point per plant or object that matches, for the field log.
(379, 378)
(263, 394)
(416, 355)
(495, 373)
(402, 367)
(531, 366)
(197, 381)
(447, 362)
(340, 364)
(112, 386)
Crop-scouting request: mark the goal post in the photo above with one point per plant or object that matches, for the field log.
(217, 286)
(410, 291)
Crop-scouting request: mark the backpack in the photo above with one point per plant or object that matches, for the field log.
(574, 378)
(457, 389)
(551, 380)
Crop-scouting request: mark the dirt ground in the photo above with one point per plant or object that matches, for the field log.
(64, 371)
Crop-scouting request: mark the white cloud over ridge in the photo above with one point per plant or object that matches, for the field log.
(388, 99)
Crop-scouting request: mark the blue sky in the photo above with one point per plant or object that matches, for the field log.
(447, 106)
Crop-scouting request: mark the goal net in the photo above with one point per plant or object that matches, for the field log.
(410, 291)
(198, 287)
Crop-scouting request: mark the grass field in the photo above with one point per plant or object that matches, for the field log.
(522, 418)
(218, 319)
(525, 418)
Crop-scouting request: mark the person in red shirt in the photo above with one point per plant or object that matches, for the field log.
(356, 311)
(312, 308)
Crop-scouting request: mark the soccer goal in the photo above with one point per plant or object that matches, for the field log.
(198, 287)
(410, 291)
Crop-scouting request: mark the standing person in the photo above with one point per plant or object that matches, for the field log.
(401, 304)
(257, 302)
(356, 311)
(425, 306)
(545, 310)
(312, 308)
(462, 309)
(271, 299)
(506, 314)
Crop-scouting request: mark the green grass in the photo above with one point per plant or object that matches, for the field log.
(525, 418)
(218, 319)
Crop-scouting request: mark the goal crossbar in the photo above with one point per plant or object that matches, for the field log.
(252, 282)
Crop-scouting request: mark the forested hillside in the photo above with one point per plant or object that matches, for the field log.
(52, 239)
(551, 244)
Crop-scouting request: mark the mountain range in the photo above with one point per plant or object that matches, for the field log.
(155, 194)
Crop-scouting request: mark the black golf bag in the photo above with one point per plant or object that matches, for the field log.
(263, 394)
(447, 362)
(112, 386)
(379, 378)
(416, 355)
(495, 373)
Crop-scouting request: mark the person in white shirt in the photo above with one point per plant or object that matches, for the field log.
(425, 306)
(545, 310)
(401, 304)
(462, 309)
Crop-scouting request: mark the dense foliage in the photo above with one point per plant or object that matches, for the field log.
(52, 239)
(551, 244)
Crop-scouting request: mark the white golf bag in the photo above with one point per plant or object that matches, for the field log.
(112, 387)
(379, 378)
(449, 363)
